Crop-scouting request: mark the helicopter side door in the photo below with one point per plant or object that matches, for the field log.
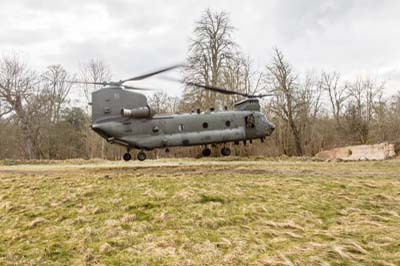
(250, 125)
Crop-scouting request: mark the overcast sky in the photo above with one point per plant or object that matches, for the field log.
(353, 37)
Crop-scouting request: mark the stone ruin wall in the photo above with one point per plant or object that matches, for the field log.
(382, 151)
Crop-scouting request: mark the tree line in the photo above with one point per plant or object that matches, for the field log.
(312, 111)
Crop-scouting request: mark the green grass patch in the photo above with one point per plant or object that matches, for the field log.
(209, 198)
(256, 211)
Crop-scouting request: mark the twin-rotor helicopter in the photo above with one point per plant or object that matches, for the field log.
(121, 115)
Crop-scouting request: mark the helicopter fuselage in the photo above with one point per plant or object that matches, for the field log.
(162, 131)
(124, 117)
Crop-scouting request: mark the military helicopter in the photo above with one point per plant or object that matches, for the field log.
(121, 115)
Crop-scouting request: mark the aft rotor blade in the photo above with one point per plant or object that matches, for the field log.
(152, 73)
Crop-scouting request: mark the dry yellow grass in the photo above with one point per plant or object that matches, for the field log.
(201, 212)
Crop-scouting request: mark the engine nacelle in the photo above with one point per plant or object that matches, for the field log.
(141, 112)
(248, 105)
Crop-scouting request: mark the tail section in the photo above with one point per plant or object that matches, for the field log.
(109, 101)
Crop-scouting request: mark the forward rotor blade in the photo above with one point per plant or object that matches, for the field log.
(89, 83)
(136, 88)
(217, 89)
(151, 74)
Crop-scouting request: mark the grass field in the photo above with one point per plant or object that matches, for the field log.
(201, 212)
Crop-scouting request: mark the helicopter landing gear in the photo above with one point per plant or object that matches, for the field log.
(225, 151)
(141, 156)
(206, 152)
(127, 157)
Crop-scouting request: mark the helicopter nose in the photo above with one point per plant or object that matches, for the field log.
(271, 128)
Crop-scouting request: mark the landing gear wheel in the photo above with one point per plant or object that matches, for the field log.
(141, 156)
(127, 157)
(225, 151)
(206, 152)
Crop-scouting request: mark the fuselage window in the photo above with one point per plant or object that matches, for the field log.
(107, 110)
(205, 125)
(228, 123)
(180, 127)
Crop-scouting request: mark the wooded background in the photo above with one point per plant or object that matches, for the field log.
(312, 111)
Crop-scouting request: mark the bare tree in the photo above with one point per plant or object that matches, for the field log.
(94, 71)
(337, 93)
(161, 102)
(363, 96)
(210, 53)
(283, 81)
(308, 109)
(55, 89)
(240, 76)
(5, 108)
(17, 87)
(392, 121)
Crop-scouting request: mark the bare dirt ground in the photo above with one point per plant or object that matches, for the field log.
(200, 212)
